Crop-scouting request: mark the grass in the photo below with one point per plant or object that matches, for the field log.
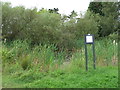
(40, 66)
(103, 77)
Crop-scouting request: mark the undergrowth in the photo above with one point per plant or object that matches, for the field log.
(41, 66)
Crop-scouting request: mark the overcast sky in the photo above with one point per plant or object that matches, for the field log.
(65, 6)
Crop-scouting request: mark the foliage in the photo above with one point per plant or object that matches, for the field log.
(46, 56)
(25, 62)
(42, 48)
(96, 7)
(109, 16)
(50, 27)
(60, 79)
(41, 66)
(87, 25)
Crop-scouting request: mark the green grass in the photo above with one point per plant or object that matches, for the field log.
(102, 77)
(40, 66)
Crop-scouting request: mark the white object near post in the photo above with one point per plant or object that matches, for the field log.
(89, 39)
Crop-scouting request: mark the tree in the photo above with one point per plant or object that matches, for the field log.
(109, 12)
(15, 21)
(87, 25)
(96, 7)
(73, 14)
(55, 10)
(44, 28)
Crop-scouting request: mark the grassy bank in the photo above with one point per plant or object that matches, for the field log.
(41, 66)
(103, 77)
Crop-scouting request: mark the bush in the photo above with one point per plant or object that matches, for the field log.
(25, 62)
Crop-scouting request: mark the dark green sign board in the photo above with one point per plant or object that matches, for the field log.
(89, 39)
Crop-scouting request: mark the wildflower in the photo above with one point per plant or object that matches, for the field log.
(5, 40)
(113, 41)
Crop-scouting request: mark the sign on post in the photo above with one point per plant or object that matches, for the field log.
(89, 39)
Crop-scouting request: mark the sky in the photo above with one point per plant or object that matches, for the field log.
(64, 6)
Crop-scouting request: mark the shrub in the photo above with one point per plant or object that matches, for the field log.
(25, 62)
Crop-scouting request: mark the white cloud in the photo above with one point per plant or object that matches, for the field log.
(65, 6)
